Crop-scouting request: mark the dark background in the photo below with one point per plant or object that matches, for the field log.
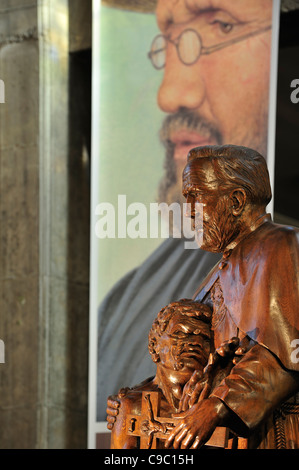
(286, 186)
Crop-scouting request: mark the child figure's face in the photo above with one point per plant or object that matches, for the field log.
(184, 345)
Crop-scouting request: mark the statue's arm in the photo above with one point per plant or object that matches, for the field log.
(114, 401)
(255, 387)
(119, 438)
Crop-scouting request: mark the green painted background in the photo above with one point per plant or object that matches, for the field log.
(131, 156)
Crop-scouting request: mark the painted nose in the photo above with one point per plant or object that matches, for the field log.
(182, 85)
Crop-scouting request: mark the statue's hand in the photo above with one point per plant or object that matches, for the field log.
(196, 425)
(113, 404)
(112, 410)
(196, 388)
(200, 384)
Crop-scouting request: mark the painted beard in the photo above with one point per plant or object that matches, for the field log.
(170, 187)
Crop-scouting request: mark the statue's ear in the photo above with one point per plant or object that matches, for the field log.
(238, 199)
(152, 349)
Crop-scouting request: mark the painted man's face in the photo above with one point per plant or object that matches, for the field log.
(222, 98)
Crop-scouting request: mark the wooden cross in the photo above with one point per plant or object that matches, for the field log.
(152, 429)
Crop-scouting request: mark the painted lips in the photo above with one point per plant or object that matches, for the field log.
(185, 141)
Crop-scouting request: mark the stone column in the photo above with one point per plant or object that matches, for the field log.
(44, 232)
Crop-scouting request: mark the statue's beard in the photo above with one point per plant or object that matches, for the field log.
(221, 230)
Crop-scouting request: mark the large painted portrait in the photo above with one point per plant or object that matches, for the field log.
(167, 76)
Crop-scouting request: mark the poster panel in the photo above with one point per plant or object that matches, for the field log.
(148, 111)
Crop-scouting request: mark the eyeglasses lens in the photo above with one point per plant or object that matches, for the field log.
(189, 47)
(157, 53)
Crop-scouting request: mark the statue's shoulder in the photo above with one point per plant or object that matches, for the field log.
(281, 235)
(135, 392)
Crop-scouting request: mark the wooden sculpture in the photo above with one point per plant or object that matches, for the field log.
(253, 294)
(180, 345)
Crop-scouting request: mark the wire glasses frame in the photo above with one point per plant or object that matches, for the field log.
(189, 46)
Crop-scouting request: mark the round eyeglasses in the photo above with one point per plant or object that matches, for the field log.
(189, 46)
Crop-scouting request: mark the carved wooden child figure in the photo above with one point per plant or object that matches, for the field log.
(179, 343)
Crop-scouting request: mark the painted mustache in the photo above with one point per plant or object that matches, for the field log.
(180, 131)
(190, 125)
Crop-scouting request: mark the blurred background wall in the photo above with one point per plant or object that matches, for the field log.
(45, 63)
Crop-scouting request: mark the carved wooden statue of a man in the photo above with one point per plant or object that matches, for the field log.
(253, 293)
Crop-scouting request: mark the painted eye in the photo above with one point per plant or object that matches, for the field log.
(223, 26)
(226, 27)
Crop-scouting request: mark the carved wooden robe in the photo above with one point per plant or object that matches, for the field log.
(254, 291)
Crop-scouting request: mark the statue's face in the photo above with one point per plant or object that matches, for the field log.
(216, 229)
(209, 208)
(184, 345)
